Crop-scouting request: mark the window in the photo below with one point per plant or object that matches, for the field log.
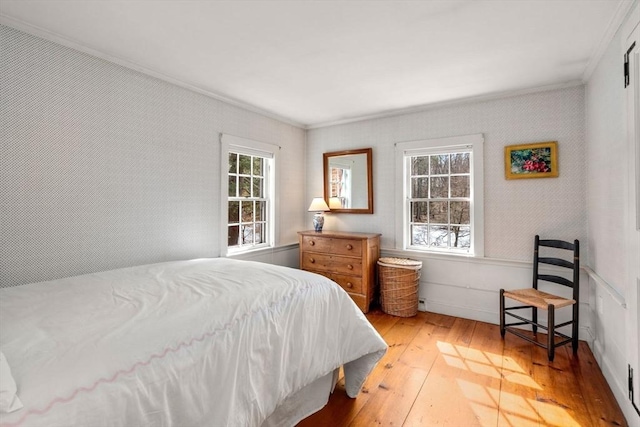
(441, 206)
(248, 169)
(340, 184)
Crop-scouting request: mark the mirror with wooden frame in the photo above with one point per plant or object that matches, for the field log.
(348, 183)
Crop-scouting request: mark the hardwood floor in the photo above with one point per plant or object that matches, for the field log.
(443, 370)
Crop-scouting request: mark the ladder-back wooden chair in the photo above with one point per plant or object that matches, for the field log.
(535, 299)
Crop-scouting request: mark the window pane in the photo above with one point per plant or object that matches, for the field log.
(245, 186)
(247, 211)
(439, 236)
(261, 211)
(419, 212)
(335, 189)
(257, 187)
(245, 165)
(419, 188)
(259, 231)
(460, 212)
(439, 187)
(461, 237)
(233, 163)
(440, 164)
(234, 231)
(460, 186)
(438, 212)
(247, 234)
(257, 166)
(420, 165)
(232, 186)
(338, 174)
(234, 212)
(419, 235)
(460, 163)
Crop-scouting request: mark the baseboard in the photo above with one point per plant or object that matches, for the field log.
(482, 315)
(466, 312)
(619, 388)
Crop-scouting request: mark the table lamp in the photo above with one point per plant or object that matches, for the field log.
(319, 206)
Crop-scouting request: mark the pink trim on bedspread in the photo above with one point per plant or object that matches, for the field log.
(167, 350)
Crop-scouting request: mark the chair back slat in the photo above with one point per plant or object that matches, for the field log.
(556, 261)
(560, 244)
(555, 279)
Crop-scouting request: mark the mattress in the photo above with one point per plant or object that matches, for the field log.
(216, 342)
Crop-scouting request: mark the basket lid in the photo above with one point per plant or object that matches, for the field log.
(411, 264)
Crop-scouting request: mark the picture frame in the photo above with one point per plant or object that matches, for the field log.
(537, 160)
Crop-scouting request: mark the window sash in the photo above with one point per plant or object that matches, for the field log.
(429, 224)
(258, 228)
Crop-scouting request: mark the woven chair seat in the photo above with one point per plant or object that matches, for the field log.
(538, 298)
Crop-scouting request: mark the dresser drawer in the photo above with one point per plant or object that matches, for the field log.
(348, 283)
(349, 247)
(331, 263)
(316, 244)
(346, 247)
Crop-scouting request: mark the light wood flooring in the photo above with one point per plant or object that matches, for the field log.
(443, 370)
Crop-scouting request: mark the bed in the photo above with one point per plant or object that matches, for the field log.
(216, 342)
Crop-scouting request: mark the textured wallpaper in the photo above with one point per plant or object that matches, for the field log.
(103, 167)
(515, 210)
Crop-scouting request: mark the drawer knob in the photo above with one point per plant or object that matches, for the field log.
(349, 285)
(349, 247)
(312, 260)
(312, 243)
(350, 267)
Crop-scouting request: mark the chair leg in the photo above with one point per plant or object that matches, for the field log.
(502, 315)
(574, 341)
(534, 318)
(551, 337)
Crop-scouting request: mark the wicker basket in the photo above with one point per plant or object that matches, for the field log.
(399, 278)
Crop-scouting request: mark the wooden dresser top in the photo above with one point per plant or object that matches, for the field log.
(339, 234)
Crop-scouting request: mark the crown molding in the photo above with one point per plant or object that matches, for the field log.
(442, 104)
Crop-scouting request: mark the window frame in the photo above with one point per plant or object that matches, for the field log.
(403, 153)
(233, 144)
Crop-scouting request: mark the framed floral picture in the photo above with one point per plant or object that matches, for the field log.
(539, 160)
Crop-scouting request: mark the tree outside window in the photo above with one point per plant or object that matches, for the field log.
(247, 201)
(440, 201)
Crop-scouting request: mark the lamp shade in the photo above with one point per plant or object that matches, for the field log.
(318, 205)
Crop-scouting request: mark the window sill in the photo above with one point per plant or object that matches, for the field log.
(260, 250)
(431, 254)
(231, 253)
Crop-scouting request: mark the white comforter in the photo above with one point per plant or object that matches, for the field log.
(213, 342)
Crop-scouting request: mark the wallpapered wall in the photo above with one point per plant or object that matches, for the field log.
(515, 210)
(104, 167)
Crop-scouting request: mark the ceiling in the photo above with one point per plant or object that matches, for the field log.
(313, 63)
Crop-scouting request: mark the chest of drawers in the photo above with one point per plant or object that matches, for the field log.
(348, 259)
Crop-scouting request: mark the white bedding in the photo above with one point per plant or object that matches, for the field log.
(213, 342)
